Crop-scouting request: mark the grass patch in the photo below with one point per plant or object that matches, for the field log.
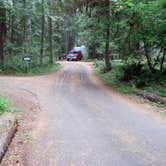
(5, 105)
(39, 70)
(154, 83)
(156, 89)
(32, 71)
(89, 60)
(163, 113)
(112, 78)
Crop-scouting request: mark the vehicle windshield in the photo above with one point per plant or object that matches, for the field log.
(73, 52)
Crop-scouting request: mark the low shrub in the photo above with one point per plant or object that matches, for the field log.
(4, 105)
(132, 68)
(126, 76)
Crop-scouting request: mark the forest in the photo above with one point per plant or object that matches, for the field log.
(106, 106)
(126, 35)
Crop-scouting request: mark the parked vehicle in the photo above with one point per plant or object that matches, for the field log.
(74, 55)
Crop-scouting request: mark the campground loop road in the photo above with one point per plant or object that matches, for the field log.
(84, 123)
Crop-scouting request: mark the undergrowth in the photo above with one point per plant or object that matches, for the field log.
(30, 71)
(5, 105)
(127, 78)
(112, 78)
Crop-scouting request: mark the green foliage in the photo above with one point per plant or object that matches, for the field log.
(113, 77)
(163, 3)
(150, 82)
(91, 22)
(39, 70)
(132, 68)
(4, 105)
(163, 113)
(31, 71)
(138, 29)
(26, 41)
(157, 79)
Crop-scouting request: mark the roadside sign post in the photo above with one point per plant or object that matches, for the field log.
(26, 60)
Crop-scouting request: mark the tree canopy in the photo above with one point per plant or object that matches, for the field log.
(110, 29)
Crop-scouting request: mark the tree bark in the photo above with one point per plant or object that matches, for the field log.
(12, 29)
(50, 39)
(3, 31)
(151, 96)
(24, 22)
(68, 41)
(147, 56)
(42, 34)
(24, 28)
(12, 25)
(107, 50)
(107, 39)
(162, 60)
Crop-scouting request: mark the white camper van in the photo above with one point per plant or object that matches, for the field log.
(82, 49)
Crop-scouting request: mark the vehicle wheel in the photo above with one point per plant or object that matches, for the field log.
(67, 59)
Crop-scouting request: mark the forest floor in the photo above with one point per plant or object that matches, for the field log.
(70, 117)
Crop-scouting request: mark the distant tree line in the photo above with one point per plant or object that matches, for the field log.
(111, 29)
(35, 29)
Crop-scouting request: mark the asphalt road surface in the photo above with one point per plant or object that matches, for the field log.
(84, 123)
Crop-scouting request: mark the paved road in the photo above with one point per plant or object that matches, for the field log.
(85, 124)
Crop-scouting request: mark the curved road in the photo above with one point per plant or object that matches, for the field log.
(84, 123)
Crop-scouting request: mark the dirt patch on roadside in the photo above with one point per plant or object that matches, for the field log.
(28, 120)
(151, 106)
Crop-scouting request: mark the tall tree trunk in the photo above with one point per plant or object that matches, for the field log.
(24, 22)
(12, 29)
(107, 50)
(12, 25)
(147, 56)
(107, 38)
(68, 41)
(3, 31)
(42, 34)
(24, 34)
(162, 60)
(50, 39)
